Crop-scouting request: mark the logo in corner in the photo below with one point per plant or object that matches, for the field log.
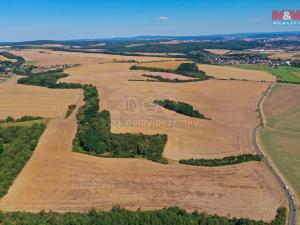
(286, 17)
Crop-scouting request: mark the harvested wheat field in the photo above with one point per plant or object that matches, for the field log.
(164, 64)
(19, 100)
(55, 178)
(219, 51)
(230, 104)
(224, 72)
(286, 55)
(42, 57)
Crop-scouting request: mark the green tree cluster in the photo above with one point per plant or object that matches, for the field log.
(94, 132)
(184, 69)
(180, 107)
(16, 146)
(229, 160)
(119, 216)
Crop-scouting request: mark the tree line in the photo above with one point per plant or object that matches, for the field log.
(94, 131)
(120, 216)
(16, 146)
(10, 119)
(184, 69)
(180, 107)
(229, 160)
(158, 78)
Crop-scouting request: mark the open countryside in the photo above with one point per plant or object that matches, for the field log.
(124, 127)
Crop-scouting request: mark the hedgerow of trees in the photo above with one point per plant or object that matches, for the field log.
(229, 160)
(120, 216)
(161, 79)
(184, 69)
(94, 132)
(180, 107)
(10, 119)
(16, 146)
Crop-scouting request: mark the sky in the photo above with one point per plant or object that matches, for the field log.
(22, 20)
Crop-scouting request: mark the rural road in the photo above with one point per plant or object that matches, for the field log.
(292, 202)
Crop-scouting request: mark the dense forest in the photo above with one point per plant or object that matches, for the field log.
(180, 107)
(16, 146)
(94, 132)
(184, 69)
(229, 160)
(119, 216)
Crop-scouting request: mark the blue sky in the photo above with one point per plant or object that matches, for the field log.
(75, 19)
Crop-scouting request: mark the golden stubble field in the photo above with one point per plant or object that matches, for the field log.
(229, 104)
(43, 57)
(219, 51)
(225, 72)
(18, 100)
(55, 178)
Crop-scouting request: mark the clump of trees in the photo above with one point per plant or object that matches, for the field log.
(184, 69)
(190, 70)
(16, 146)
(180, 107)
(229, 160)
(166, 216)
(71, 108)
(10, 119)
(94, 132)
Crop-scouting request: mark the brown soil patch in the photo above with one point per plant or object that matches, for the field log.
(225, 72)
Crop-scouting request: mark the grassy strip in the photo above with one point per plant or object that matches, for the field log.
(166, 216)
(256, 67)
(161, 79)
(180, 107)
(71, 108)
(287, 74)
(185, 69)
(229, 160)
(94, 132)
(16, 146)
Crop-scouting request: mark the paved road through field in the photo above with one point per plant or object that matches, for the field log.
(292, 202)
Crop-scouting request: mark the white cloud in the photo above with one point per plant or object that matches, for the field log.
(255, 20)
(163, 18)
